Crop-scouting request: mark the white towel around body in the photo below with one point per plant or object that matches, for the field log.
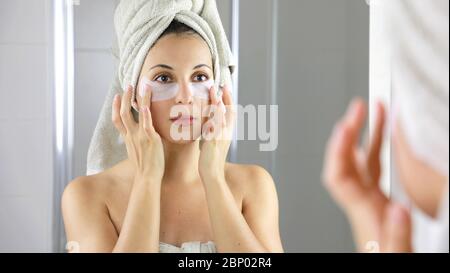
(420, 75)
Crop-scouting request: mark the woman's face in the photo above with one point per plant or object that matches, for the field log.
(178, 62)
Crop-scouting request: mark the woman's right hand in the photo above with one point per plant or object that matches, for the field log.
(143, 143)
(352, 174)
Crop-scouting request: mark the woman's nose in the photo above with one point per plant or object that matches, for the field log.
(184, 95)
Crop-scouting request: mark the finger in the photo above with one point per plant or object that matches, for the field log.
(148, 123)
(217, 121)
(375, 146)
(331, 169)
(355, 119)
(213, 96)
(329, 147)
(144, 94)
(341, 161)
(229, 105)
(208, 131)
(149, 118)
(219, 115)
(141, 116)
(117, 120)
(125, 109)
(213, 126)
(397, 230)
(227, 98)
(348, 132)
(210, 110)
(147, 95)
(348, 135)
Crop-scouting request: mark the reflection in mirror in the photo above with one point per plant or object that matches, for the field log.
(299, 55)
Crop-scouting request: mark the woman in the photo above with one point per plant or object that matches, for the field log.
(174, 195)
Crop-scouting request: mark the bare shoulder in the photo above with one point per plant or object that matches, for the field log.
(86, 215)
(96, 189)
(84, 191)
(249, 179)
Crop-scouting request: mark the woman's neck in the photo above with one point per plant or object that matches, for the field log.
(181, 162)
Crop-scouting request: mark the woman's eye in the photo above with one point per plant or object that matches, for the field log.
(201, 78)
(163, 79)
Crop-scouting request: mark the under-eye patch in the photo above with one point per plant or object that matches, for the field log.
(166, 91)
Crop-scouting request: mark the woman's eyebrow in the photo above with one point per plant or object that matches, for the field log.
(162, 66)
(202, 65)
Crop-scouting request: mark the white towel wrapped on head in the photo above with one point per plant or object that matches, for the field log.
(139, 24)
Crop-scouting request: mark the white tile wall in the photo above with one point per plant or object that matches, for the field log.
(23, 80)
(94, 23)
(25, 157)
(23, 21)
(25, 127)
(23, 226)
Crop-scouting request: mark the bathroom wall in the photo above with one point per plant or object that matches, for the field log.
(94, 71)
(25, 126)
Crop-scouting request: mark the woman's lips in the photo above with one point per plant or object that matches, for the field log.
(183, 120)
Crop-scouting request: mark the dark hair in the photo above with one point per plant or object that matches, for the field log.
(179, 28)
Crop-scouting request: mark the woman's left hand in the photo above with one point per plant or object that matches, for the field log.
(216, 136)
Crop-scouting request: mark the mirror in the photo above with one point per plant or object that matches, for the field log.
(299, 55)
